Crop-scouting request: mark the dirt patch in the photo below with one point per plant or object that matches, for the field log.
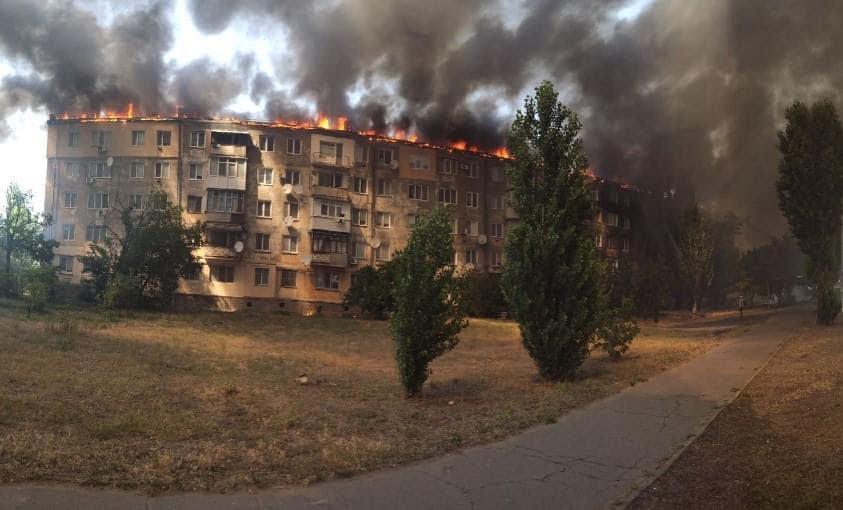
(215, 401)
(779, 445)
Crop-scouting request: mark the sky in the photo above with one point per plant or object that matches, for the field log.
(23, 151)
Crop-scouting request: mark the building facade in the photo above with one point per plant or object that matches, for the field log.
(290, 213)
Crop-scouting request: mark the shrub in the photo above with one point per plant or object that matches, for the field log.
(428, 314)
(828, 301)
(482, 294)
(38, 283)
(372, 291)
(617, 332)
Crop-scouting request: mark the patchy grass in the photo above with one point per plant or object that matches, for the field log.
(215, 401)
(779, 445)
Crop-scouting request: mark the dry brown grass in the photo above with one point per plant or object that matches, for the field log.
(213, 401)
(778, 445)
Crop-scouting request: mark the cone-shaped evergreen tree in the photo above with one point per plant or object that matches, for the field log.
(552, 278)
(810, 188)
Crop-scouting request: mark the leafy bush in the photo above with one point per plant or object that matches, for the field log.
(828, 302)
(372, 291)
(617, 332)
(123, 292)
(38, 283)
(482, 294)
(428, 315)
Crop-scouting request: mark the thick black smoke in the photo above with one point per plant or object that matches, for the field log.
(688, 95)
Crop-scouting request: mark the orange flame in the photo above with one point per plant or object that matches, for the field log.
(458, 144)
(502, 152)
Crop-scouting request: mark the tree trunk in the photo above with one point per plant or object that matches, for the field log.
(695, 306)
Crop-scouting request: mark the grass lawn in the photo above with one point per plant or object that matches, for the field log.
(779, 445)
(214, 401)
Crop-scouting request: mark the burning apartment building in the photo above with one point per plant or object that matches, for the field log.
(291, 212)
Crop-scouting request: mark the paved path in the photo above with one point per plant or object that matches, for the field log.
(594, 457)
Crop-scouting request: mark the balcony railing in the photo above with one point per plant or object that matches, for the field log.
(330, 224)
(329, 259)
(237, 151)
(320, 159)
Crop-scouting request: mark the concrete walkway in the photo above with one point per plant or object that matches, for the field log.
(595, 457)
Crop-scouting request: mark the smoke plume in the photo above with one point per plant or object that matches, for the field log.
(685, 96)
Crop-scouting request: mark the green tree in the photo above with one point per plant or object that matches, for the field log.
(428, 310)
(553, 274)
(726, 257)
(22, 230)
(810, 190)
(140, 263)
(696, 252)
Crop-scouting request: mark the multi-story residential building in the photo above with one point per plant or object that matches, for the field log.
(290, 213)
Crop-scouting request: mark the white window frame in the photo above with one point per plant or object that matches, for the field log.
(416, 191)
(266, 143)
(162, 170)
(472, 199)
(68, 228)
(101, 202)
(289, 205)
(73, 139)
(163, 138)
(357, 214)
(283, 282)
(384, 187)
(360, 185)
(74, 199)
(189, 209)
(450, 199)
(264, 209)
(227, 198)
(383, 219)
(228, 273)
(333, 279)
(449, 166)
(294, 146)
(99, 170)
(72, 169)
(292, 177)
(138, 137)
(134, 166)
(473, 171)
(63, 269)
(497, 230)
(197, 140)
(419, 162)
(262, 242)
(262, 176)
(263, 279)
(290, 244)
(383, 159)
(195, 171)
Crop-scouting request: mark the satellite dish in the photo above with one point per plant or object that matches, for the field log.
(482, 239)
(288, 221)
(287, 189)
(238, 246)
(109, 161)
(297, 190)
(375, 242)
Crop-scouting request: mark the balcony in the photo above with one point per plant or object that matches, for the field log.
(331, 192)
(218, 252)
(328, 224)
(329, 259)
(234, 151)
(330, 160)
(217, 182)
(510, 214)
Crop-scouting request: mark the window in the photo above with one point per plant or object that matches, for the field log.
(291, 208)
(292, 177)
(267, 143)
(163, 138)
(449, 166)
(290, 244)
(611, 218)
(614, 197)
(261, 276)
(65, 264)
(325, 242)
(361, 154)
(497, 174)
(294, 146)
(162, 169)
(417, 191)
(419, 162)
(194, 204)
(225, 200)
(265, 176)
(197, 141)
(473, 170)
(497, 230)
(599, 240)
(98, 200)
(470, 256)
(138, 137)
(330, 150)
(595, 194)
(222, 274)
(386, 156)
(73, 139)
(193, 273)
(360, 217)
(228, 167)
(70, 198)
(613, 243)
(100, 138)
(627, 223)
(384, 188)
(98, 170)
(626, 244)
(472, 199)
(329, 179)
(455, 226)
(68, 232)
(360, 185)
(264, 209)
(71, 169)
(136, 201)
(497, 258)
(383, 219)
(222, 238)
(262, 242)
(382, 253)
(473, 228)
(447, 196)
(96, 233)
(497, 202)
(288, 278)
(358, 249)
(326, 279)
(195, 172)
(137, 169)
(413, 219)
(330, 210)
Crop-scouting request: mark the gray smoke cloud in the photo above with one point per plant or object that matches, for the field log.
(688, 95)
